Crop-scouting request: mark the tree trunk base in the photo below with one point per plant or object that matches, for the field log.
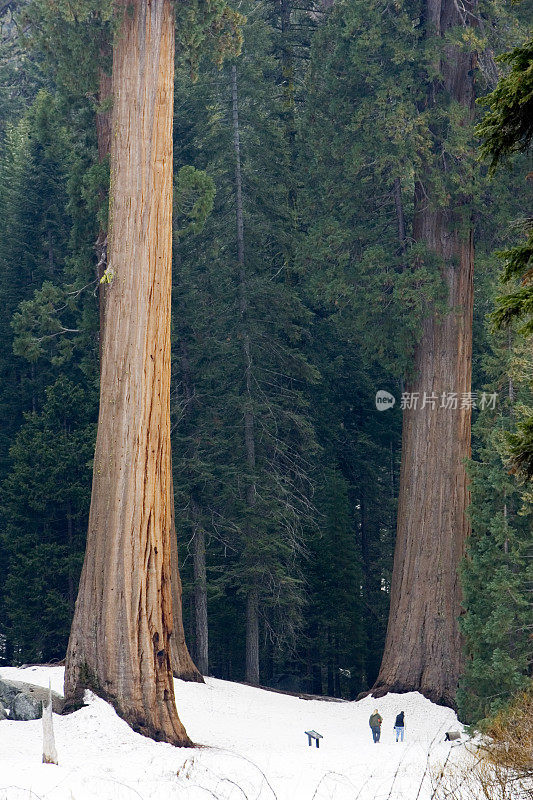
(192, 676)
(163, 727)
(381, 689)
(166, 731)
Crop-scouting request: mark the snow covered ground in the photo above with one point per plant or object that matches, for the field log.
(254, 748)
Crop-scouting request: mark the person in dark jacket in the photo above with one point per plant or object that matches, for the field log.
(399, 726)
(375, 725)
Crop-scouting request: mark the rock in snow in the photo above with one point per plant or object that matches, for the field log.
(25, 700)
(25, 708)
(254, 745)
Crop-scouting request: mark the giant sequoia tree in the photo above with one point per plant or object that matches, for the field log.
(423, 647)
(88, 36)
(120, 639)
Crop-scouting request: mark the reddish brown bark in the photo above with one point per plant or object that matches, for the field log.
(120, 639)
(423, 644)
(183, 666)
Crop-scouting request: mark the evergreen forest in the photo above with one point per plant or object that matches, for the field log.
(314, 145)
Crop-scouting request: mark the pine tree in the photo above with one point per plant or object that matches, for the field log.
(19, 75)
(127, 657)
(366, 281)
(334, 611)
(84, 37)
(34, 247)
(507, 129)
(44, 512)
(422, 648)
(235, 364)
(496, 574)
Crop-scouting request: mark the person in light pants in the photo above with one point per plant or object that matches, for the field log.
(399, 726)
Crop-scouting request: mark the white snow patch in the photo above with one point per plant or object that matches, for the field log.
(254, 748)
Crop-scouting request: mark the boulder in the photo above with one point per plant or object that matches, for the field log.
(25, 699)
(3, 714)
(26, 707)
(8, 692)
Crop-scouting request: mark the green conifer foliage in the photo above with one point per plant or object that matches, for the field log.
(497, 572)
(33, 245)
(19, 74)
(46, 487)
(333, 131)
(259, 545)
(365, 140)
(335, 611)
(506, 129)
(361, 444)
(44, 516)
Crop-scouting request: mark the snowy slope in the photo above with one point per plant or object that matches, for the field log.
(254, 746)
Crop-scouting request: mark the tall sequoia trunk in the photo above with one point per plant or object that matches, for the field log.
(183, 666)
(120, 639)
(423, 645)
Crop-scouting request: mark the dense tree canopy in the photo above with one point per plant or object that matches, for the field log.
(299, 289)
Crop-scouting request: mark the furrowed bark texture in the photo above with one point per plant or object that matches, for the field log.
(182, 664)
(120, 639)
(423, 645)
